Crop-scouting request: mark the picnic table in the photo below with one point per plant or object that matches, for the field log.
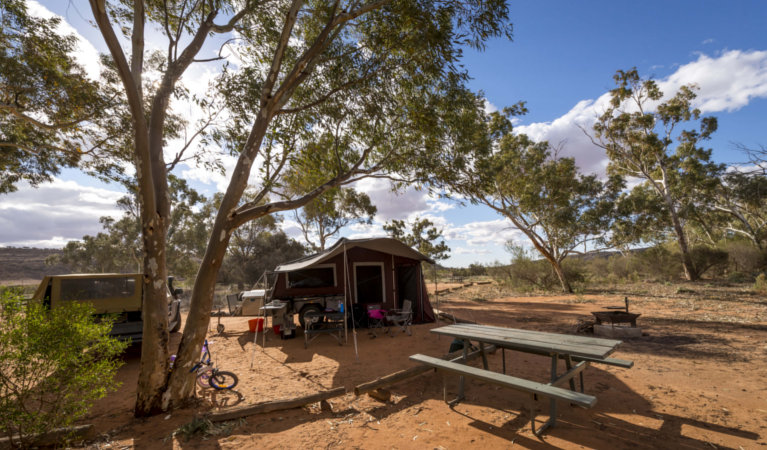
(576, 351)
(324, 322)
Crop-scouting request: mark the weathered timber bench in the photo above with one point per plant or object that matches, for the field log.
(609, 361)
(508, 381)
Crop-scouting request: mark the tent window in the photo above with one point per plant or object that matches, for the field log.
(315, 277)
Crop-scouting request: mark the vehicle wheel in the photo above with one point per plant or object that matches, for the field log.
(308, 309)
(175, 324)
(222, 379)
(203, 379)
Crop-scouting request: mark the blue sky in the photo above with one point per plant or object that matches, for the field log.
(560, 62)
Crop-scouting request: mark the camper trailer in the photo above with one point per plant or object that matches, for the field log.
(356, 273)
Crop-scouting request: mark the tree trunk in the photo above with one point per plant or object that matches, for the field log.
(153, 372)
(563, 281)
(181, 383)
(555, 263)
(689, 268)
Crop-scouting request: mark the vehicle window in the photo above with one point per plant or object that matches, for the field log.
(312, 278)
(95, 288)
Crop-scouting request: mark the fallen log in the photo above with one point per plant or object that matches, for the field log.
(396, 377)
(451, 318)
(53, 437)
(275, 405)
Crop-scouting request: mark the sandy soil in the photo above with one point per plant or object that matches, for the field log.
(698, 382)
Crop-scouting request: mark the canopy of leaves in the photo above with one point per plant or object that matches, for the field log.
(422, 236)
(51, 114)
(323, 217)
(649, 145)
(118, 248)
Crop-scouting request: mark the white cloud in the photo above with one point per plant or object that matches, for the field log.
(489, 107)
(401, 206)
(54, 213)
(726, 83)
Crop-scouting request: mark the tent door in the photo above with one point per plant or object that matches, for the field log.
(407, 285)
(369, 283)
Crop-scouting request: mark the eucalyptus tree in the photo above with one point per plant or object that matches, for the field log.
(642, 138)
(326, 215)
(118, 247)
(341, 88)
(48, 104)
(422, 236)
(544, 196)
(741, 203)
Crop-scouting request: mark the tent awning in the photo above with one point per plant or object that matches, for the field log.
(383, 245)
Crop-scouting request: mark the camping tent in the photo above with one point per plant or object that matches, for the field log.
(380, 271)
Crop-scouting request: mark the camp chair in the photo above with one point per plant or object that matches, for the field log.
(401, 317)
(376, 320)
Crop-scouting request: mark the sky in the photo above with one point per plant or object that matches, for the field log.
(561, 62)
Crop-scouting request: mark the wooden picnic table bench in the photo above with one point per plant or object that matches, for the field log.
(577, 352)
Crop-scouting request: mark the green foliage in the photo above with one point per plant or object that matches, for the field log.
(646, 141)
(48, 106)
(118, 248)
(528, 273)
(709, 259)
(53, 364)
(422, 237)
(745, 258)
(255, 249)
(760, 284)
(543, 195)
(324, 216)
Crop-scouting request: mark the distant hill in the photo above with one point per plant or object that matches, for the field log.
(27, 264)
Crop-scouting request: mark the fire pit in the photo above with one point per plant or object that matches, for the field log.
(613, 317)
(617, 315)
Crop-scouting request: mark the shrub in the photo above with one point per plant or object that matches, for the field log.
(760, 285)
(709, 259)
(745, 257)
(53, 365)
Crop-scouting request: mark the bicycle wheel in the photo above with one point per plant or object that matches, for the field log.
(221, 379)
(204, 378)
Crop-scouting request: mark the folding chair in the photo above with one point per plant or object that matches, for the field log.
(401, 317)
(376, 320)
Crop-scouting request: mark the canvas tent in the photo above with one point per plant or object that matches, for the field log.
(362, 272)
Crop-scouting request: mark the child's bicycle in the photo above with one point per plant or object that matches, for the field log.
(209, 376)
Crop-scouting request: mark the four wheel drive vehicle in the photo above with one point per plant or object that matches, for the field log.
(111, 294)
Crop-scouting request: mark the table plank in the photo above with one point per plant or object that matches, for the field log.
(569, 338)
(532, 341)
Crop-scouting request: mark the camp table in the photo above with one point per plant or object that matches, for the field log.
(576, 351)
(328, 322)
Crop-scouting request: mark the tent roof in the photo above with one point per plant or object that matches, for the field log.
(383, 245)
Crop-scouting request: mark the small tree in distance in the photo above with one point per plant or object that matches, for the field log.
(324, 216)
(423, 237)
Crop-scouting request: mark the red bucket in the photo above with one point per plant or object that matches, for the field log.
(276, 329)
(256, 324)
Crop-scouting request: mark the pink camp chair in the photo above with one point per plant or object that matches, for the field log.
(376, 320)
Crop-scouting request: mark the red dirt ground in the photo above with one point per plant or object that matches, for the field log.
(698, 382)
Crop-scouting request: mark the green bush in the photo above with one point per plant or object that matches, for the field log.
(53, 365)
(745, 257)
(760, 285)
